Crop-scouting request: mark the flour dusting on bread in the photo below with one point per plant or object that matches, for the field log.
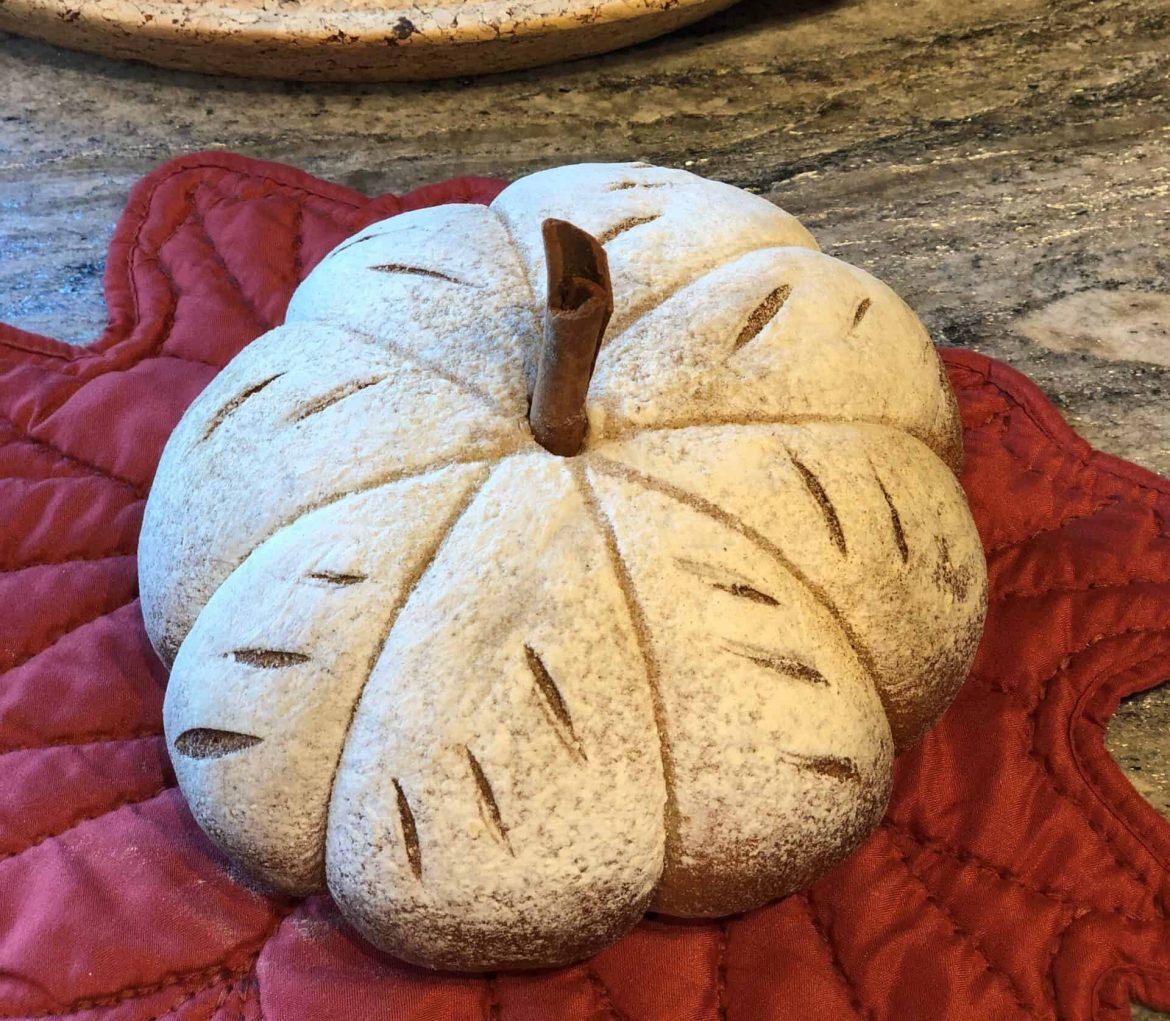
(499, 702)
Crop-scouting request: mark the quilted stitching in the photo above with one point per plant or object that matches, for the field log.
(824, 934)
(1016, 875)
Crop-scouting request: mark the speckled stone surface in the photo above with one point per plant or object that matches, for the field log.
(1003, 164)
(348, 40)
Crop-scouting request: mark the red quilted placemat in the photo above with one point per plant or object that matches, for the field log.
(1017, 875)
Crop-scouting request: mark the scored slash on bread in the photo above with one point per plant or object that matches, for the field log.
(499, 702)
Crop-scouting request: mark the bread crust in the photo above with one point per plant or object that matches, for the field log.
(500, 702)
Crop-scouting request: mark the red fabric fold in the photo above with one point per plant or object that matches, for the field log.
(1017, 874)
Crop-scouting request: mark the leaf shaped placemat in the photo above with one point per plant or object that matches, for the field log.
(1017, 874)
(349, 40)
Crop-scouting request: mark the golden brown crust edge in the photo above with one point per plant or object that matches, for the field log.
(742, 882)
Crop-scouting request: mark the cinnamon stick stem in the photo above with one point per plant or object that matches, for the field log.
(580, 302)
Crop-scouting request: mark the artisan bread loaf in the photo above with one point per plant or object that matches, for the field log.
(499, 701)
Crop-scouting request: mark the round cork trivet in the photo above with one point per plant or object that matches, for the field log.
(348, 40)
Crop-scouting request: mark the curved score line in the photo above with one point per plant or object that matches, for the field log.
(411, 584)
(670, 822)
(627, 431)
(531, 347)
(616, 469)
(625, 323)
(426, 365)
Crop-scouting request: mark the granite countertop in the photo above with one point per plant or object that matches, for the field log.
(1003, 164)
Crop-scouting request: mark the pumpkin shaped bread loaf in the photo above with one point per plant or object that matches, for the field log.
(502, 686)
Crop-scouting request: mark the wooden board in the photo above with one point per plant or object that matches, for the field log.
(348, 40)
